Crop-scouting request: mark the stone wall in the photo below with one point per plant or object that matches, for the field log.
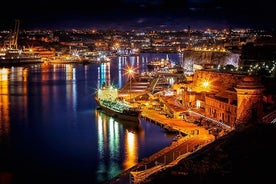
(218, 80)
(211, 57)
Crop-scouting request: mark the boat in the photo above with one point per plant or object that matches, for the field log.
(12, 55)
(130, 127)
(108, 100)
(126, 51)
(95, 58)
(158, 64)
(15, 57)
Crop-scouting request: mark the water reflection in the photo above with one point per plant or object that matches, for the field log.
(117, 140)
(103, 74)
(4, 103)
(13, 90)
(131, 150)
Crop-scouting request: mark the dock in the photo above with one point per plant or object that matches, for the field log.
(194, 138)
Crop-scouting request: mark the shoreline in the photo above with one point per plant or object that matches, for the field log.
(191, 142)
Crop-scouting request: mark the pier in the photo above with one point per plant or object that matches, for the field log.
(193, 138)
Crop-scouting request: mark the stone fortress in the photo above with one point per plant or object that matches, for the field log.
(231, 98)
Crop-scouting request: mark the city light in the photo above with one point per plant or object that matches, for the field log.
(130, 72)
(206, 84)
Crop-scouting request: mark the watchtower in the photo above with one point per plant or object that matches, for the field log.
(249, 100)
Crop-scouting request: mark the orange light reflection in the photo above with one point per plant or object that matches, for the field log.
(131, 150)
(4, 102)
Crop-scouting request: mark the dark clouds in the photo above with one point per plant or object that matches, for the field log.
(143, 13)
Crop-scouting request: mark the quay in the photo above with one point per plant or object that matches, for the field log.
(194, 137)
(180, 125)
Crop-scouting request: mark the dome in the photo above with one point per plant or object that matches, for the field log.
(250, 82)
(249, 79)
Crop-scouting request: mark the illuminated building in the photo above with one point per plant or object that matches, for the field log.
(249, 94)
(231, 98)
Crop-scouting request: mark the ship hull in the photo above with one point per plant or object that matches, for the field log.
(130, 115)
(19, 62)
(11, 55)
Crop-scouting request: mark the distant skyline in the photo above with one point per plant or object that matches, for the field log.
(139, 14)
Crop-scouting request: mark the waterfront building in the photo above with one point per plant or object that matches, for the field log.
(227, 97)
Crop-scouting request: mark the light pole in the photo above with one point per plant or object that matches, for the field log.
(130, 73)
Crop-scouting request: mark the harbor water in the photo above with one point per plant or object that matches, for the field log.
(51, 129)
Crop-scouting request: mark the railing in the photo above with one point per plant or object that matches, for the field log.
(140, 176)
(213, 120)
(270, 118)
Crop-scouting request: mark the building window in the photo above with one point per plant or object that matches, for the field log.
(197, 104)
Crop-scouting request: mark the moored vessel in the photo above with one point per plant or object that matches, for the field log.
(11, 55)
(160, 64)
(14, 57)
(108, 100)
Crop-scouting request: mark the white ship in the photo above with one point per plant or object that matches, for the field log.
(108, 100)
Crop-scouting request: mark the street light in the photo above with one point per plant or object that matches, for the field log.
(130, 73)
(206, 84)
(206, 88)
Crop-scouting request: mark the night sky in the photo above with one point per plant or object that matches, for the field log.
(138, 14)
